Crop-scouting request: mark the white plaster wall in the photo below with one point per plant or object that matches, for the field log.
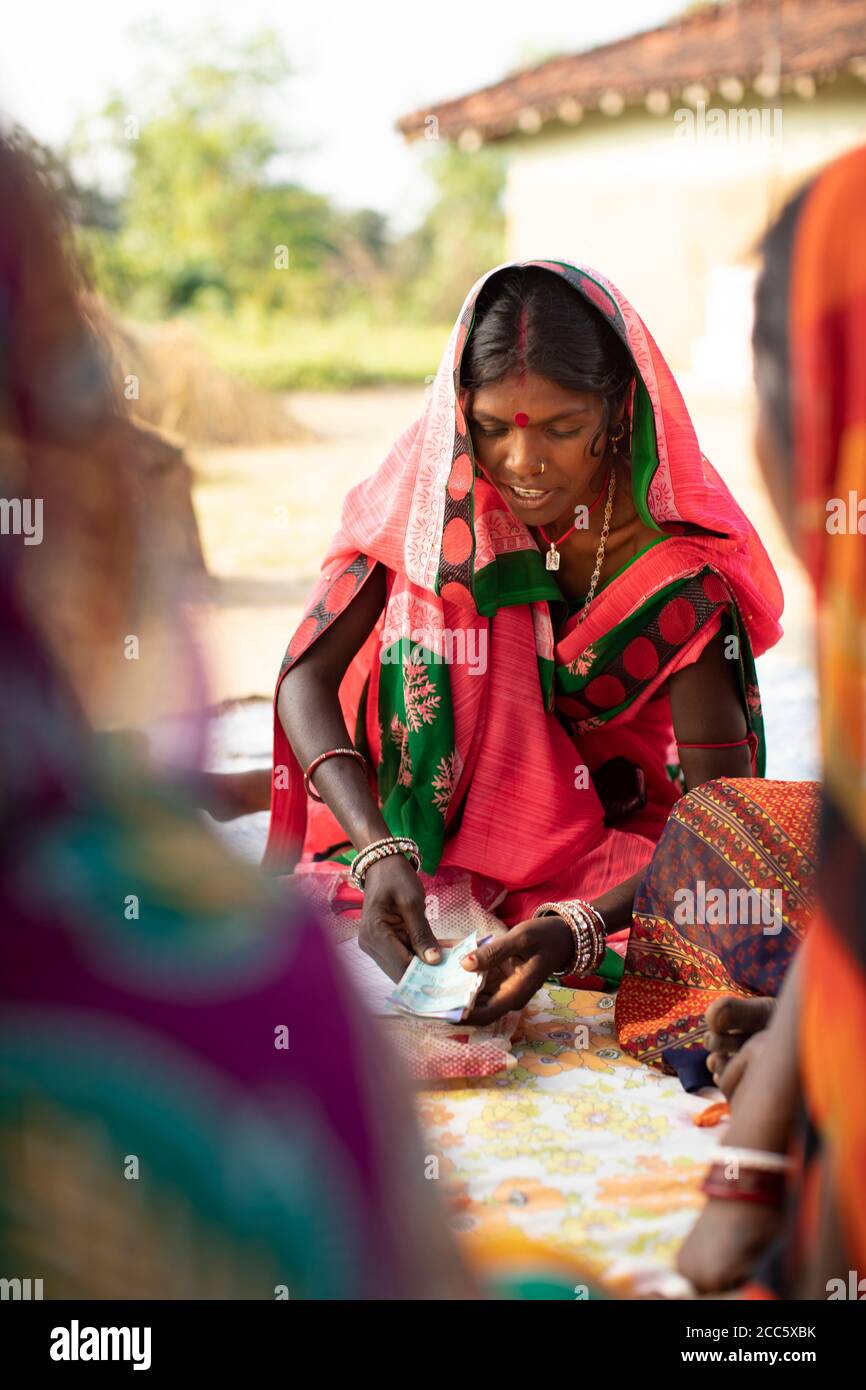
(662, 209)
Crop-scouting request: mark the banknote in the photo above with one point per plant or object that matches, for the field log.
(445, 991)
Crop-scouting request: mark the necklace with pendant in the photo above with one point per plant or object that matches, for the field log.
(599, 554)
(551, 559)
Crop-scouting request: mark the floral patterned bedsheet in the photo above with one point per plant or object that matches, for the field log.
(578, 1146)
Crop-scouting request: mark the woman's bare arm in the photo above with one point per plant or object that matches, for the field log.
(393, 917)
(729, 1237)
(706, 707)
(309, 710)
(765, 1102)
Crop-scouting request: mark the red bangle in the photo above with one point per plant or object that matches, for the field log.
(749, 1185)
(739, 744)
(331, 753)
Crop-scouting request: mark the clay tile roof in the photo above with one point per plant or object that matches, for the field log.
(785, 40)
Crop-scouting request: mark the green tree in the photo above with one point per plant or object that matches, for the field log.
(462, 235)
(202, 217)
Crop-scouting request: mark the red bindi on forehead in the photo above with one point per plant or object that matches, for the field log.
(521, 419)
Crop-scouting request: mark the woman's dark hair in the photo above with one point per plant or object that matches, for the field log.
(770, 331)
(530, 319)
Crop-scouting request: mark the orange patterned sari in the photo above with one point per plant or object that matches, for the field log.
(828, 342)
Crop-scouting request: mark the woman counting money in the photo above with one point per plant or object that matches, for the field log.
(535, 628)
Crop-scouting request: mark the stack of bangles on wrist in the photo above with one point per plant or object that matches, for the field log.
(748, 1175)
(588, 933)
(380, 849)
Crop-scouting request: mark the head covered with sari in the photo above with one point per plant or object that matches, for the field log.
(466, 697)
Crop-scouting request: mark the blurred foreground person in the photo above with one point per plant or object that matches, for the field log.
(191, 1105)
(805, 1237)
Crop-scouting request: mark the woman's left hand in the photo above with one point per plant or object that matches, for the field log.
(517, 965)
(726, 1241)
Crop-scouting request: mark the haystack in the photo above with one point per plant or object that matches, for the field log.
(184, 394)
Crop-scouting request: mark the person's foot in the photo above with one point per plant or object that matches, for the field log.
(731, 1023)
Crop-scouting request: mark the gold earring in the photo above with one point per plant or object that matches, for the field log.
(614, 439)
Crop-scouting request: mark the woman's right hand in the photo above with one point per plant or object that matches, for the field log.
(394, 924)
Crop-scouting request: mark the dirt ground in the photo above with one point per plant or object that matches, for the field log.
(267, 514)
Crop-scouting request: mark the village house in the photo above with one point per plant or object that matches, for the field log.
(661, 158)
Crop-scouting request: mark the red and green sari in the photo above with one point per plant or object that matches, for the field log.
(478, 698)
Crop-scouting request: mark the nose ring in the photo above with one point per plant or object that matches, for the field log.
(541, 469)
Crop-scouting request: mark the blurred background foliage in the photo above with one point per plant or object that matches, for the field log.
(196, 227)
